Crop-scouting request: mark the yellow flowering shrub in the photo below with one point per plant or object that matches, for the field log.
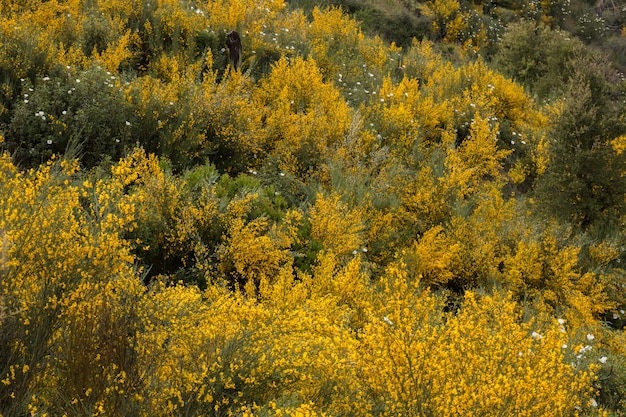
(424, 199)
(619, 144)
(25, 51)
(348, 285)
(446, 18)
(242, 13)
(409, 114)
(479, 360)
(435, 257)
(304, 116)
(473, 89)
(475, 160)
(233, 139)
(175, 224)
(333, 37)
(421, 59)
(96, 331)
(63, 250)
(220, 351)
(337, 227)
(161, 108)
(251, 253)
(543, 267)
(193, 351)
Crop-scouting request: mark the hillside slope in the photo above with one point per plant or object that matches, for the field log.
(341, 226)
(599, 24)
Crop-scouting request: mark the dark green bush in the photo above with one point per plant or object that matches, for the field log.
(583, 182)
(84, 109)
(538, 57)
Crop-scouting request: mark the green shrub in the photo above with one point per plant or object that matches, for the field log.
(84, 109)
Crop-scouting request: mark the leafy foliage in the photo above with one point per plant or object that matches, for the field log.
(339, 226)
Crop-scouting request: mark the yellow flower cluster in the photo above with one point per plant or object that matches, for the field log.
(481, 360)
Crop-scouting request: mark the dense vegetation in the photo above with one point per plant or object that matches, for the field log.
(342, 226)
